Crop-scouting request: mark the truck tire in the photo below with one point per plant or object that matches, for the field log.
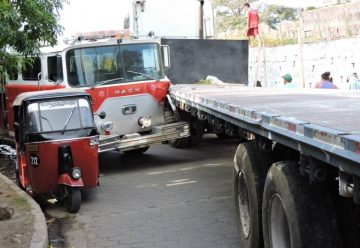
(182, 142)
(296, 214)
(136, 151)
(196, 131)
(248, 189)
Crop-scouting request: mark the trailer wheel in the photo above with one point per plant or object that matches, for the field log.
(136, 151)
(296, 214)
(248, 190)
(73, 199)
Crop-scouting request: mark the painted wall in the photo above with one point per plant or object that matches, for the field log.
(340, 57)
(193, 60)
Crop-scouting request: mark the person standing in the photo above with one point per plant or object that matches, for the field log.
(354, 82)
(253, 32)
(326, 82)
(252, 21)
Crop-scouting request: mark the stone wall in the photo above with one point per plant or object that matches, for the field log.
(332, 22)
(340, 57)
(328, 23)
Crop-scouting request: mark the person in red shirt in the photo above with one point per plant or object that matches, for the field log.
(252, 21)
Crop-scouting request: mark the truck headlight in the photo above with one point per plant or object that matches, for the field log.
(107, 126)
(144, 122)
(76, 173)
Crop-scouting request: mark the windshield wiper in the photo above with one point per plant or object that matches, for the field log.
(68, 120)
(106, 82)
(44, 118)
(146, 75)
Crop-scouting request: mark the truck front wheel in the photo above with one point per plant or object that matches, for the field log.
(249, 182)
(296, 214)
(137, 151)
(196, 131)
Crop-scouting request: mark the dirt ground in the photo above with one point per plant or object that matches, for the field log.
(17, 231)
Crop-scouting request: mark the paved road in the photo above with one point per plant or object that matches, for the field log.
(164, 198)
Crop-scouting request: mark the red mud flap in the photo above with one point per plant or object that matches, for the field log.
(66, 179)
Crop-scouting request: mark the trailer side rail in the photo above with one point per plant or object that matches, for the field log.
(338, 148)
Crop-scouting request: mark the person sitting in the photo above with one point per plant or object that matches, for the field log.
(326, 82)
(288, 81)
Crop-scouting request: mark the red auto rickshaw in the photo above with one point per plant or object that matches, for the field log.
(56, 144)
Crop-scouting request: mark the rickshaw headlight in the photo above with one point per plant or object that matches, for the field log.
(76, 173)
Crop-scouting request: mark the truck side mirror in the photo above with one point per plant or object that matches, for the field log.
(165, 51)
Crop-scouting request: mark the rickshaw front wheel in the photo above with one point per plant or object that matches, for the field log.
(73, 199)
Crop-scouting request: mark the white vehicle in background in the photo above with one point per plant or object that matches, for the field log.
(172, 19)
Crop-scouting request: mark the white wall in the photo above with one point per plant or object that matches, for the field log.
(340, 57)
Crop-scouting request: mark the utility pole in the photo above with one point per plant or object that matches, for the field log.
(300, 41)
(201, 29)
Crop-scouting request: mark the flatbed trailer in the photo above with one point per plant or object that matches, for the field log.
(301, 140)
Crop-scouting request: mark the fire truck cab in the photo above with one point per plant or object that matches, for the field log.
(127, 83)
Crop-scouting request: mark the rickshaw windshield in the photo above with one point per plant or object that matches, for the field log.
(58, 116)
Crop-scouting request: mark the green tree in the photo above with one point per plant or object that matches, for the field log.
(229, 16)
(274, 14)
(25, 25)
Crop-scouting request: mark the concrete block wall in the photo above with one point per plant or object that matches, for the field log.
(340, 57)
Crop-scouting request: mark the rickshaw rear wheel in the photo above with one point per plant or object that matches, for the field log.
(73, 200)
(17, 174)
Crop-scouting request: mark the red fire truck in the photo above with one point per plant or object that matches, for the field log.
(127, 83)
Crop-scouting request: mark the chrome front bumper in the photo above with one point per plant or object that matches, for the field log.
(158, 134)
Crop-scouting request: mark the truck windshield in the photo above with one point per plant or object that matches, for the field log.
(93, 66)
(59, 116)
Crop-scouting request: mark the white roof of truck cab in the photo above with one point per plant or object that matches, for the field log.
(102, 42)
(48, 94)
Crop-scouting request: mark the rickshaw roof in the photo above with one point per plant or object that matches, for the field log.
(47, 94)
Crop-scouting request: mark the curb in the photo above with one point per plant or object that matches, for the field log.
(40, 234)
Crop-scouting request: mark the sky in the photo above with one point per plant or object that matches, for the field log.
(296, 3)
(94, 15)
(97, 15)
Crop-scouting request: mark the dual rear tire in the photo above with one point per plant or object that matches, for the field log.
(276, 207)
(249, 180)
